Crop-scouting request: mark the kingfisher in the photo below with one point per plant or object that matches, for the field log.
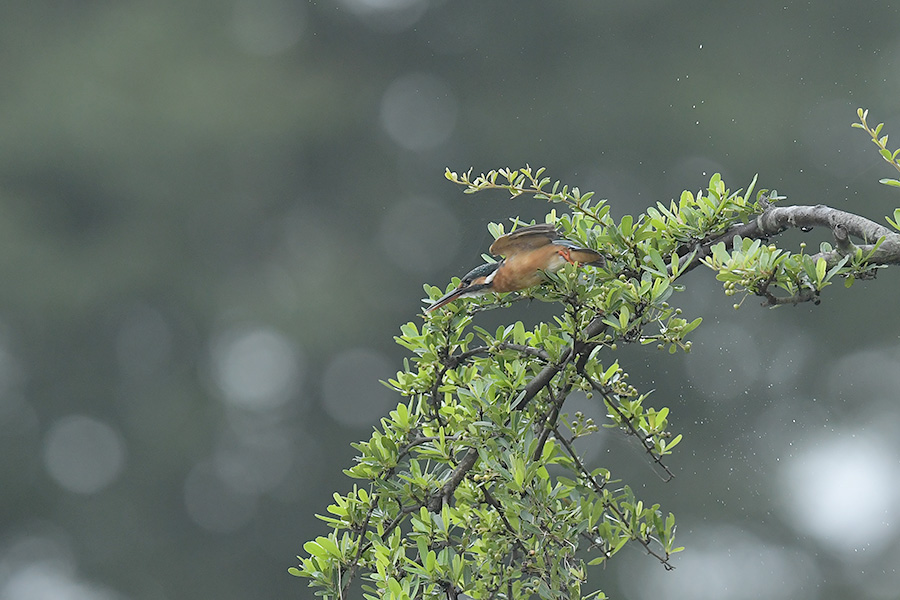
(528, 253)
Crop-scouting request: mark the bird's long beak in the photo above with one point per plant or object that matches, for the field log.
(476, 288)
(447, 298)
(475, 282)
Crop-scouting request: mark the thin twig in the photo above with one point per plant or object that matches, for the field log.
(648, 446)
(549, 422)
(465, 465)
(351, 569)
(489, 498)
(599, 488)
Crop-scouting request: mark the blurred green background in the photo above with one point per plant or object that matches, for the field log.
(215, 215)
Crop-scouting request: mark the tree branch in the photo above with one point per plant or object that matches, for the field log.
(598, 488)
(777, 219)
(537, 383)
(456, 477)
(645, 442)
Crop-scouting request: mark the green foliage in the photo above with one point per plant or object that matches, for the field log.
(473, 483)
(754, 267)
(892, 157)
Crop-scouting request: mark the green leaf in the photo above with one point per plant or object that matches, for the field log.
(329, 545)
(626, 225)
(657, 261)
(895, 222)
(821, 265)
(315, 549)
(692, 325)
(720, 252)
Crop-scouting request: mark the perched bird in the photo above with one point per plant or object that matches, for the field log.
(528, 253)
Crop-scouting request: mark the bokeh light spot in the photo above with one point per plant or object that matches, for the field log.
(39, 581)
(82, 454)
(727, 563)
(418, 111)
(388, 16)
(256, 368)
(841, 490)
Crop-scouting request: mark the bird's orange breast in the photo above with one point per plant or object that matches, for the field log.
(524, 270)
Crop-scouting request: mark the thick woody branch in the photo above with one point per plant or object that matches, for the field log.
(843, 225)
(546, 375)
(778, 218)
(456, 477)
